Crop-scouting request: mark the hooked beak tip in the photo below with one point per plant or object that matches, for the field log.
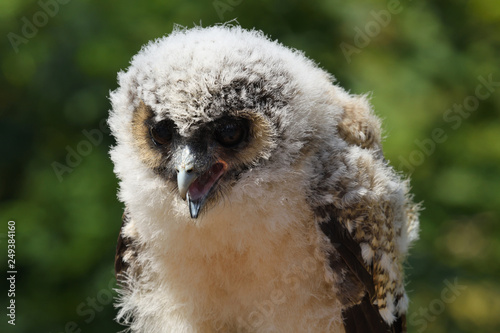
(194, 207)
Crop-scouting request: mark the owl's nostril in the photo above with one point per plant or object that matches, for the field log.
(184, 169)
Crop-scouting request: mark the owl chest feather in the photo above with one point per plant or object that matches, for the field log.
(252, 267)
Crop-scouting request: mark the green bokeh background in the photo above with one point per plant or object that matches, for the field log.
(429, 57)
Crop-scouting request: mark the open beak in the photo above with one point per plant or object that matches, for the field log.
(194, 185)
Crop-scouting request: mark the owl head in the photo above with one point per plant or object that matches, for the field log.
(208, 116)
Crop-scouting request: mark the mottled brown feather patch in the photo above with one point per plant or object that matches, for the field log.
(359, 126)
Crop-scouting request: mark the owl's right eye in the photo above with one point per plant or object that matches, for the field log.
(162, 132)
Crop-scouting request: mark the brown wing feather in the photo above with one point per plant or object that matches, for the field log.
(357, 290)
(350, 253)
(364, 317)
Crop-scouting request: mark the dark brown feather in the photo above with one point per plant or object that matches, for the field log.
(363, 316)
(350, 252)
(121, 247)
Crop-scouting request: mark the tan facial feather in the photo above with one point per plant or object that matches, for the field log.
(151, 157)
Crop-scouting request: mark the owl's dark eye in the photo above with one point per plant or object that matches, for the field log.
(162, 132)
(231, 132)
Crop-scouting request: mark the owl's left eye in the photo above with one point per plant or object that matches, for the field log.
(162, 132)
(231, 132)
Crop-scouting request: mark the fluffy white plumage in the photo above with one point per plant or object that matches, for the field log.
(305, 228)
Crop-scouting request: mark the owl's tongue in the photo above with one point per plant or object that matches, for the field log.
(200, 188)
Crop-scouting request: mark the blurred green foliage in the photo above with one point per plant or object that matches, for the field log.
(422, 64)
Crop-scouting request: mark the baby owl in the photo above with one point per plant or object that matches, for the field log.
(257, 197)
